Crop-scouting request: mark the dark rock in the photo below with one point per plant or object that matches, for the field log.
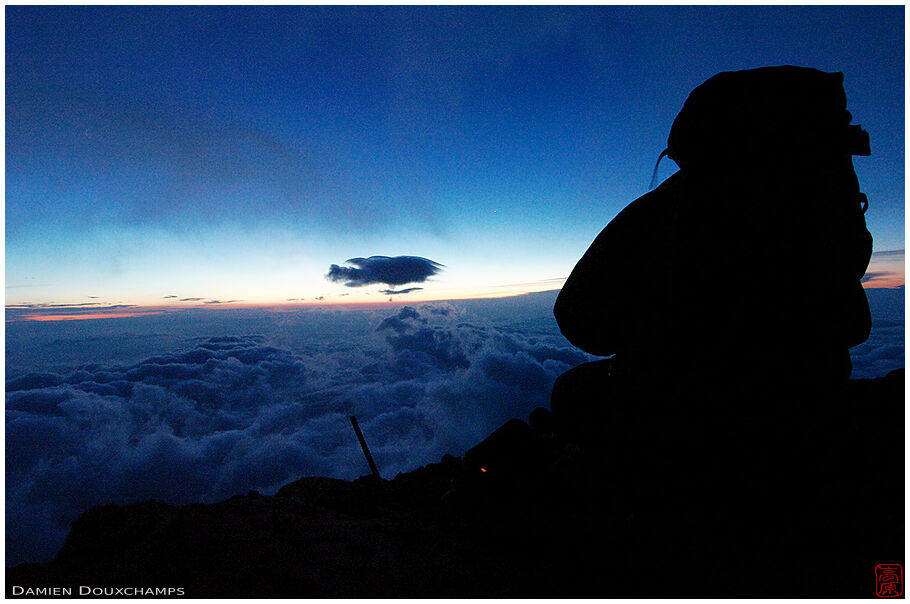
(561, 530)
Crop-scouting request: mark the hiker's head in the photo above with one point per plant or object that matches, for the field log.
(762, 117)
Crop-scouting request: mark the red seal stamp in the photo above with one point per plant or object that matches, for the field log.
(889, 580)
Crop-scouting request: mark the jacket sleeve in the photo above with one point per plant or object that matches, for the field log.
(588, 305)
(608, 299)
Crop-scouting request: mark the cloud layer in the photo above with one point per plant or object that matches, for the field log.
(95, 417)
(884, 350)
(226, 414)
(394, 271)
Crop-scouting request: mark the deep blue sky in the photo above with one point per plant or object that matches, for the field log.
(234, 153)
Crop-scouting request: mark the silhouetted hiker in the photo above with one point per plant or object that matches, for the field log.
(750, 257)
(729, 297)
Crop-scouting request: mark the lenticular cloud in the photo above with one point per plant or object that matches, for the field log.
(393, 271)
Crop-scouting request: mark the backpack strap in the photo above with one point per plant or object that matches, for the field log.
(654, 174)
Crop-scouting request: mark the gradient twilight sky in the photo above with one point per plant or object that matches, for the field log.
(182, 155)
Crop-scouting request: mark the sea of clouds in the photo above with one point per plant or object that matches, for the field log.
(123, 410)
(196, 406)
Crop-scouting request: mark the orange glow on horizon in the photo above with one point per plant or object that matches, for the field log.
(358, 302)
(884, 280)
(885, 270)
(89, 316)
(365, 300)
(889, 281)
(381, 301)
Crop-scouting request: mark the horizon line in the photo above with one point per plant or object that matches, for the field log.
(65, 312)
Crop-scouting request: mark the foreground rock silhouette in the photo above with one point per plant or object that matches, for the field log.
(722, 450)
(546, 519)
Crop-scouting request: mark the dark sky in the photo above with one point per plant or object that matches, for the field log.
(235, 153)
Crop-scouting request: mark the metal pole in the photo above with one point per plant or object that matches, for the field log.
(363, 445)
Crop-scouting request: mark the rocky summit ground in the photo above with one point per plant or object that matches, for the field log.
(526, 513)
